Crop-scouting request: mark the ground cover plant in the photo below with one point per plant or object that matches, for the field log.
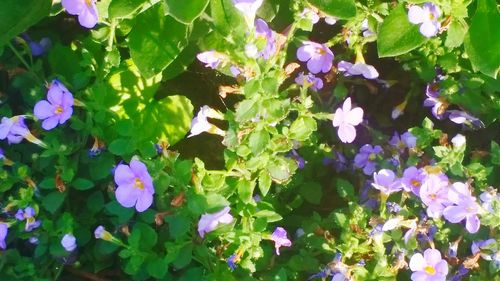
(249, 140)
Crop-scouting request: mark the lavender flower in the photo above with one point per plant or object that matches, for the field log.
(301, 163)
(101, 233)
(59, 107)
(85, 9)
(462, 117)
(366, 29)
(13, 129)
(248, 8)
(231, 262)
(359, 68)
(309, 80)
(487, 248)
(412, 180)
(406, 140)
(4, 230)
(69, 242)
(435, 100)
(427, 16)
(487, 199)
(346, 118)
(310, 15)
(461, 272)
(429, 267)
(434, 194)
(29, 215)
(464, 207)
(208, 222)
(318, 56)
(200, 123)
(385, 181)
(212, 59)
(365, 159)
(38, 48)
(263, 32)
(135, 186)
(280, 239)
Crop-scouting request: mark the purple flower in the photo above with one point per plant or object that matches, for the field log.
(13, 129)
(487, 248)
(208, 222)
(366, 29)
(318, 56)
(406, 140)
(310, 15)
(301, 163)
(429, 267)
(461, 272)
(29, 215)
(101, 233)
(412, 179)
(135, 186)
(462, 117)
(427, 16)
(59, 107)
(309, 80)
(231, 262)
(200, 123)
(346, 118)
(248, 7)
(4, 229)
(359, 68)
(280, 239)
(366, 158)
(85, 9)
(487, 199)
(385, 181)
(393, 207)
(263, 32)
(434, 194)
(69, 242)
(435, 100)
(211, 58)
(38, 48)
(464, 207)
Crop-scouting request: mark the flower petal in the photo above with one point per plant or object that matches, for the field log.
(88, 18)
(428, 29)
(127, 195)
(417, 262)
(454, 214)
(65, 115)
(432, 256)
(472, 224)
(346, 133)
(355, 116)
(50, 123)
(315, 64)
(124, 175)
(346, 106)
(55, 93)
(416, 14)
(338, 117)
(43, 110)
(144, 201)
(73, 7)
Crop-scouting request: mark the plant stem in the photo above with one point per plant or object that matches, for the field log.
(23, 61)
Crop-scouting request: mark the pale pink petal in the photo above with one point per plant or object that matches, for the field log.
(355, 116)
(346, 107)
(346, 133)
(417, 262)
(416, 14)
(338, 118)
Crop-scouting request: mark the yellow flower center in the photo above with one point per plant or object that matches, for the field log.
(372, 156)
(430, 270)
(320, 51)
(138, 184)
(433, 196)
(58, 110)
(415, 183)
(432, 169)
(88, 2)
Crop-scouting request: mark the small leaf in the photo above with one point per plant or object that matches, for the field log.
(344, 188)
(312, 192)
(455, 35)
(265, 182)
(302, 128)
(341, 9)
(82, 184)
(124, 8)
(53, 201)
(121, 147)
(397, 35)
(245, 190)
(258, 141)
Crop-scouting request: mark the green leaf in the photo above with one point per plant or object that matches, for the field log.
(124, 8)
(121, 147)
(157, 267)
(482, 42)
(245, 190)
(264, 182)
(495, 153)
(397, 35)
(53, 201)
(169, 119)
(186, 11)
(342, 9)
(302, 128)
(17, 15)
(312, 192)
(271, 216)
(226, 18)
(455, 35)
(258, 141)
(344, 188)
(281, 169)
(178, 225)
(82, 184)
(156, 40)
